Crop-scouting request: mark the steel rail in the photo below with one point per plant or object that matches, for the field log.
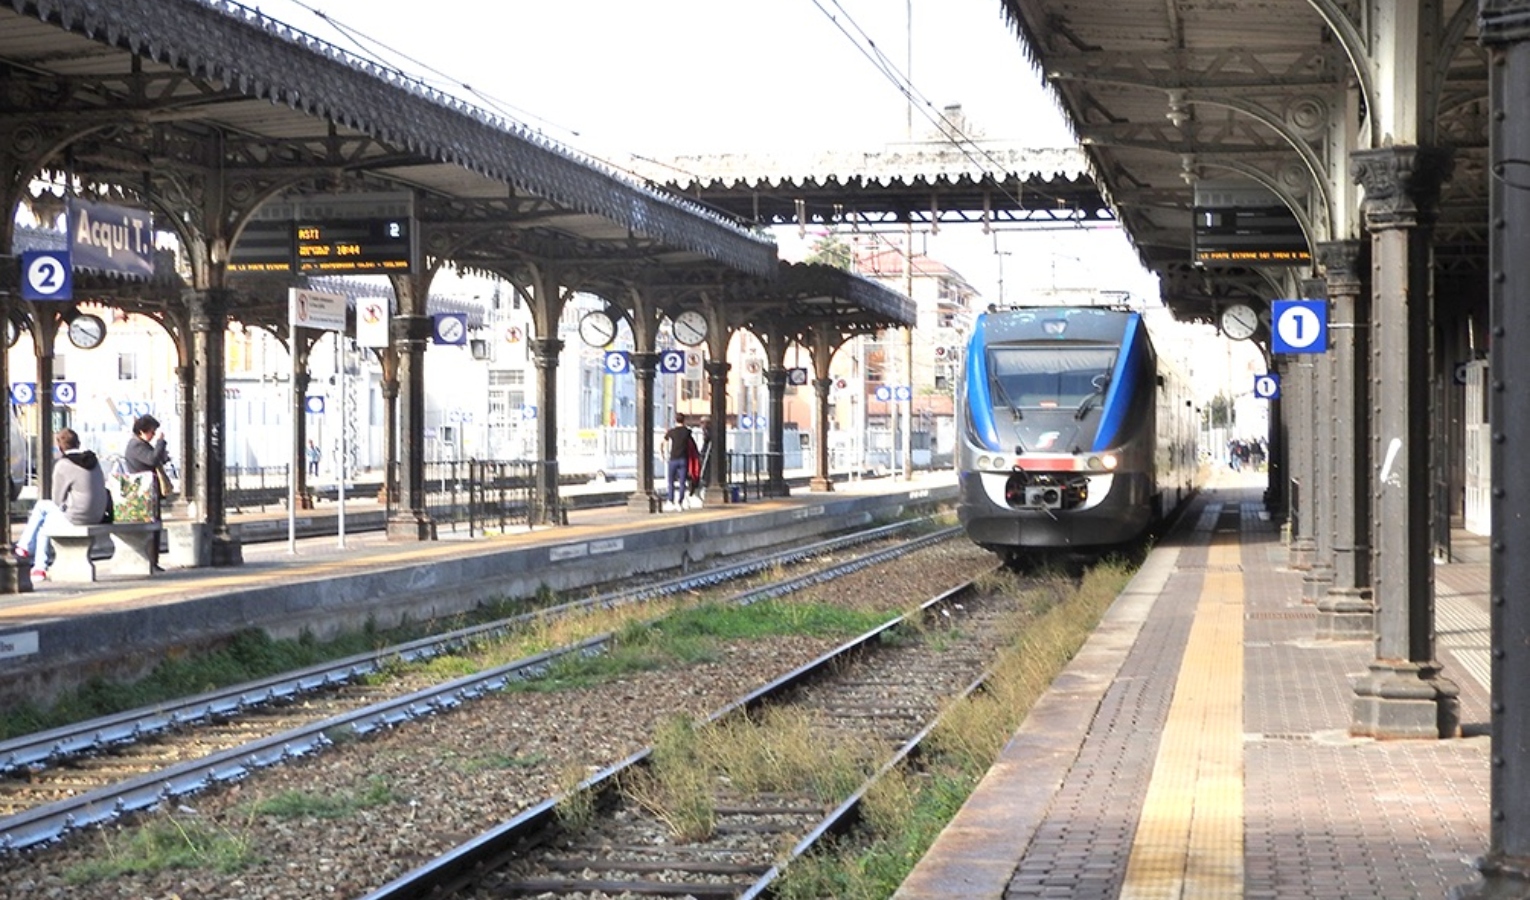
(50, 822)
(464, 864)
(100, 734)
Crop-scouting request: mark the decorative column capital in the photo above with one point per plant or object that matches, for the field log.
(410, 329)
(545, 352)
(1503, 21)
(717, 369)
(1402, 184)
(645, 365)
(1341, 265)
(208, 309)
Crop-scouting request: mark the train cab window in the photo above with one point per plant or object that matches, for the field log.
(1050, 377)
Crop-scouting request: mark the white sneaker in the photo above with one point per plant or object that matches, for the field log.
(669, 506)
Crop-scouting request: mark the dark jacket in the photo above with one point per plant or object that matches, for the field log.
(79, 487)
(141, 456)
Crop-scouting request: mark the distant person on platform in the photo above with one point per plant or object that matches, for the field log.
(146, 453)
(313, 458)
(680, 447)
(79, 496)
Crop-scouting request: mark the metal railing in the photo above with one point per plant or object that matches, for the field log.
(478, 494)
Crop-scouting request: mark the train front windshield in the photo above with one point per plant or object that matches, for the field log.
(1050, 376)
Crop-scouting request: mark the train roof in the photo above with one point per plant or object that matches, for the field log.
(1060, 323)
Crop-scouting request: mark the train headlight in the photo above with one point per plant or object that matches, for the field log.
(1107, 462)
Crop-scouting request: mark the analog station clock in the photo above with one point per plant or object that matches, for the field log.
(87, 331)
(597, 329)
(690, 327)
(1239, 321)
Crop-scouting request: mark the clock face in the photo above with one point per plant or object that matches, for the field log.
(597, 329)
(87, 332)
(1239, 322)
(690, 327)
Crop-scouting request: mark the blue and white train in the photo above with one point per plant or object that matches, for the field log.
(1074, 439)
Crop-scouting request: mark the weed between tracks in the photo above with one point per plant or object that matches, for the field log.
(904, 811)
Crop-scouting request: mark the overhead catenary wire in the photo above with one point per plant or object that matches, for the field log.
(947, 129)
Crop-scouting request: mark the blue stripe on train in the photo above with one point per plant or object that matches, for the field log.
(979, 398)
(1123, 386)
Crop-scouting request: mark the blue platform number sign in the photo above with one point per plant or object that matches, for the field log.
(65, 393)
(46, 275)
(746, 421)
(672, 362)
(450, 328)
(1267, 386)
(883, 393)
(1299, 326)
(618, 362)
(23, 393)
(314, 403)
(528, 412)
(903, 393)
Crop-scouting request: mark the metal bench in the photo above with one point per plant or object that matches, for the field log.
(133, 544)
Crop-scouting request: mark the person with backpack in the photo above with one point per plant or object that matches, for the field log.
(680, 447)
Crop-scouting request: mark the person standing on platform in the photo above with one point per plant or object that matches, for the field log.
(146, 453)
(79, 496)
(313, 458)
(680, 445)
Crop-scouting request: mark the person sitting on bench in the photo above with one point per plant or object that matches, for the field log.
(79, 496)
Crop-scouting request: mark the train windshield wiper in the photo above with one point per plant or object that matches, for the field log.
(1099, 384)
(1003, 395)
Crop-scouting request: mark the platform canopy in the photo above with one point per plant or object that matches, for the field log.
(207, 112)
(1170, 96)
(927, 184)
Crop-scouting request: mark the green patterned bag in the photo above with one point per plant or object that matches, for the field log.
(134, 501)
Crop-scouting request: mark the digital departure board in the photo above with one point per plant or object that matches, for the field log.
(335, 247)
(263, 246)
(1250, 235)
(354, 246)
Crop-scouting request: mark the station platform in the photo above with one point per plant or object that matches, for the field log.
(1198, 744)
(62, 634)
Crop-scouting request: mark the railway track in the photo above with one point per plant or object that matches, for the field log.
(880, 694)
(95, 772)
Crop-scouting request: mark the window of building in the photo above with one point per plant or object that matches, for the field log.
(127, 367)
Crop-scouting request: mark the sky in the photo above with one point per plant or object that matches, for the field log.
(666, 77)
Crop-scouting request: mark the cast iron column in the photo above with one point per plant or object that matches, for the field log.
(1277, 492)
(717, 384)
(14, 577)
(185, 408)
(775, 457)
(1319, 500)
(545, 353)
(1404, 695)
(209, 322)
(821, 480)
(1505, 26)
(1346, 611)
(410, 520)
(644, 367)
(1300, 452)
(301, 379)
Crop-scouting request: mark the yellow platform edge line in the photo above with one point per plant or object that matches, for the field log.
(1189, 840)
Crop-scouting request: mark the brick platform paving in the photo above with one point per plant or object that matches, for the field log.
(1324, 815)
